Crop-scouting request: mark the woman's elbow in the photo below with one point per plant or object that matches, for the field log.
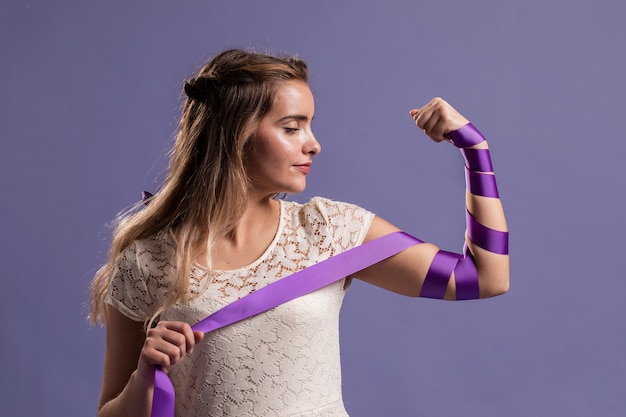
(495, 287)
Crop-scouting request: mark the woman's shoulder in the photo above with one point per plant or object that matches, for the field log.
(158, 248)
(330, 219)
(141, 275)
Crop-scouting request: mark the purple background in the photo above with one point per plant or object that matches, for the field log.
(89, 100)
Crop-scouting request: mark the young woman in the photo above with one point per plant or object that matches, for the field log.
(215, 232)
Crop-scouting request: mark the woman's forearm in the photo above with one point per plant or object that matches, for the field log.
(487, 236)
(134, 400)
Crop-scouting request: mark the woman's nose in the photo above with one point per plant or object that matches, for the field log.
(312, 146)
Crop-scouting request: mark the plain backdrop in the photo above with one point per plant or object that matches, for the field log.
(90, 93)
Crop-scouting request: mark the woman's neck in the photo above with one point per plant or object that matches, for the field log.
(259, 219)
(253, 234)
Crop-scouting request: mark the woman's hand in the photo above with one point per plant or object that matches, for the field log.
(130, 358)
(437, 119)
(166, 345)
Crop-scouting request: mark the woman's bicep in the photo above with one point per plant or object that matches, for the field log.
(402, 273)
(124, 341)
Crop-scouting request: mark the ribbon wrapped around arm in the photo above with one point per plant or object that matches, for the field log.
(481, 181)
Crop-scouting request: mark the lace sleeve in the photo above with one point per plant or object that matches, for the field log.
(346, 224)
(139, 280)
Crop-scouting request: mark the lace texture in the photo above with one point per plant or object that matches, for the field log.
(284, 362)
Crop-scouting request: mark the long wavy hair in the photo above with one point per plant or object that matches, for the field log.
(205, 192)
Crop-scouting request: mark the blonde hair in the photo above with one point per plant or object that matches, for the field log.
(205, 192)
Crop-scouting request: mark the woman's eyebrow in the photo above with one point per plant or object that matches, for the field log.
(299, 117)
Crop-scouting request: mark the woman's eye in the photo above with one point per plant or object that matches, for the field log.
(291, 130)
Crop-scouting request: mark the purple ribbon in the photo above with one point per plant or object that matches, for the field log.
(466, 136)
(298, 284)
(146, 196)
(440, 270)
(320, 275)
(466, 278)
(438, 274)
(489, 239)
(479, 183)
(477, 160)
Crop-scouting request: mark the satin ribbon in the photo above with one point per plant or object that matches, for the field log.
(489, 239)
(466, 136)
(438, 274)
(479, 183)
(320, 275)
(145, 197)
(477, 160)
(296, 285)
(440, 270)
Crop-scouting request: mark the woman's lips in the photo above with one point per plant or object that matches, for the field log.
(306, 168)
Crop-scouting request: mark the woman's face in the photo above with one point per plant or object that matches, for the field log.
(283, 146)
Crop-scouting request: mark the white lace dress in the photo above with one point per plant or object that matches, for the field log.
(284, 362)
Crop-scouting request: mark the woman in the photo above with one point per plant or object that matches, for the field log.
(215, 232)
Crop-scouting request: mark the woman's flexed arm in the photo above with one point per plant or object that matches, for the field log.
(424, 270)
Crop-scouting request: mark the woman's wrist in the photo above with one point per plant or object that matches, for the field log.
(135, 399)
(467, 137)
(142, 380)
